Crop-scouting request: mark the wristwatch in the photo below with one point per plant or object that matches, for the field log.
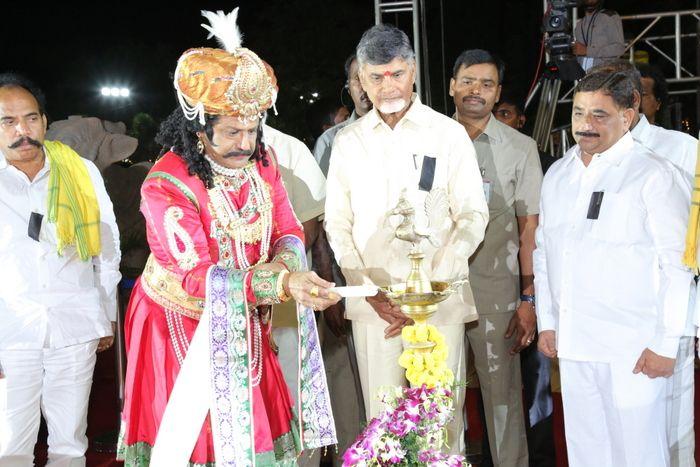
(528, 298)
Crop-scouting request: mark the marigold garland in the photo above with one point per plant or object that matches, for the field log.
(425, 366)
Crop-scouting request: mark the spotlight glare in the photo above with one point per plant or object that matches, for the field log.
(114, 92)
(105, 91)
(124, 92)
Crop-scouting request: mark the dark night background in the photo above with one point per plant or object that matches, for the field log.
(72, 50)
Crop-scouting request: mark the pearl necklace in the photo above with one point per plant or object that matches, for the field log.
(236, 222)
(221, 170)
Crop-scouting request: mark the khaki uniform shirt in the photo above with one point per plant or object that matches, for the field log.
(306, 188)
(512, 179)
(324, 143)
(430, 156)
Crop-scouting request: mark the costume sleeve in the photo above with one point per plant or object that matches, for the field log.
(179, 242)
(285, 224)
(666, 199)
(339, 215)
(106, 264)
(468, 210)
(175, 232)
(610, 41)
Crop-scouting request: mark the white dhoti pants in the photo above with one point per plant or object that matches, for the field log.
(612, 417)
(680, 406)
(56, 382)
(377, 362)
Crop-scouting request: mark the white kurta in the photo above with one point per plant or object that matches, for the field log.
(681, 149)
(44, 295)
(52, 309)
(610, 287)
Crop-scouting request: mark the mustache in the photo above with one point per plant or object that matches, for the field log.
(24, 140)
(238, 154)
(587, 133)
(477, 98)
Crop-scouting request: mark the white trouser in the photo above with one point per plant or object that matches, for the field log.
(612, 417)
(680, 395)
(377, 362)
(288, 357)
(56, 382)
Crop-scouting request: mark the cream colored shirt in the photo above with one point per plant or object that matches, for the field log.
(371, 165)
(306, 188)
(512, 176)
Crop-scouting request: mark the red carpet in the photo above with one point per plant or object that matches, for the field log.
(103, 417)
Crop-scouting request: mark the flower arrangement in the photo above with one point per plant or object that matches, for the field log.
(410, 432)
(425, 356)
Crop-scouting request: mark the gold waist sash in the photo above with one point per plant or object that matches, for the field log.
(165, 288)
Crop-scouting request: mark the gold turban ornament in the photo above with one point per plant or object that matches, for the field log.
(233, 81)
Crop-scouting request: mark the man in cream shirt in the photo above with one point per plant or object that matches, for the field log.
(402, 146)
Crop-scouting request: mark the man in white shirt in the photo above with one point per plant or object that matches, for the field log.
(681, 150)
(57, 298)
(402, 145)
(612, 292)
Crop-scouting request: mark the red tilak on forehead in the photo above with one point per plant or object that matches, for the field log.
(388, 73)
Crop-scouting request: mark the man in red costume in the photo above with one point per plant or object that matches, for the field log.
(203, 383)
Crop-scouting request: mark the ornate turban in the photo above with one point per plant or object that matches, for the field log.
(234, 81)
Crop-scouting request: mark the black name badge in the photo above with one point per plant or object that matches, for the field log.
(427, 174)
(34, 228)
(594, 205)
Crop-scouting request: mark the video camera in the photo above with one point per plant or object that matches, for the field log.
(557, 24)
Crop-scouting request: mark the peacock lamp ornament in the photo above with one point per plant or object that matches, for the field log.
(425, 352)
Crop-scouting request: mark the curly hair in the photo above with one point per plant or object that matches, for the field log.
(178, 134)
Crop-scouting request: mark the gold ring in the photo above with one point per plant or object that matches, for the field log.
(314, 291)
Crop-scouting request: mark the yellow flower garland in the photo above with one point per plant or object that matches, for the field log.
(425, 365)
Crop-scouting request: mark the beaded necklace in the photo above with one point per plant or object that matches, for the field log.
(237, 223)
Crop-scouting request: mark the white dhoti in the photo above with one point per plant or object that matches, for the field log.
(377, 362)
(680, 403)
(55, 382)
(612, 417)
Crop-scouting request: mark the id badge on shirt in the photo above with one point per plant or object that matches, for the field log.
(487, 186)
